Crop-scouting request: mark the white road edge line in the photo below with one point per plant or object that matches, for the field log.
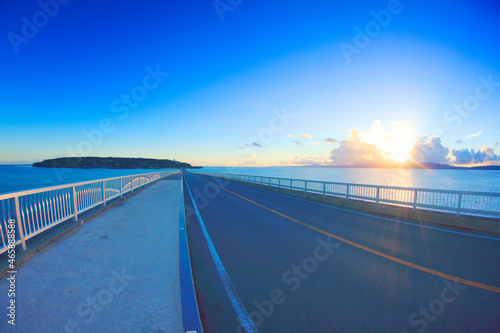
(239, 307)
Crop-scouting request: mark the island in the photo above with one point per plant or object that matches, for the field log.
(113, 163)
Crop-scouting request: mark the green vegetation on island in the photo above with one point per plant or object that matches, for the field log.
(112, 163)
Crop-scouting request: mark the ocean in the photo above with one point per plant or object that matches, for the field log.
(19, 178)
(462, 180)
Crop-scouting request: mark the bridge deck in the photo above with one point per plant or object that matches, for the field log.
(118, 272)
(262, 262)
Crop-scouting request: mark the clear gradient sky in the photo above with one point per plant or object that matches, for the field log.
(256, 82)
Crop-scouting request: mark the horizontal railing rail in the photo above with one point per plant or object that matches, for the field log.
(483, 204)
(26, 214)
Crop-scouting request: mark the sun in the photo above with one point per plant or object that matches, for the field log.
(396, 141)
(400, 142)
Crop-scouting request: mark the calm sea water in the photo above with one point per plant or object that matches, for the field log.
(464, 180)
(19, 178)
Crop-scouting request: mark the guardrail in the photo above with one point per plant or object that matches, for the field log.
(29, 213)
(484, 204)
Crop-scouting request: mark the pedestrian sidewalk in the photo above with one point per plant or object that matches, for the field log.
(119, 272)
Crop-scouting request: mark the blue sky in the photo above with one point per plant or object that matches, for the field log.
(251, 82)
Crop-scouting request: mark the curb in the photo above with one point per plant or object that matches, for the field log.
(190, 313)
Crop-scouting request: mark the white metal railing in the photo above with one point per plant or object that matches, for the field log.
(38, 210)
(486, 204)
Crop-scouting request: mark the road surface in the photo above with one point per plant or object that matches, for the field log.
(266, 262)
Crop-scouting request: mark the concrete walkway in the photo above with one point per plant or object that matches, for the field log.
(117, 273)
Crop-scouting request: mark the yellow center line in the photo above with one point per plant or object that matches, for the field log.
(381, 254)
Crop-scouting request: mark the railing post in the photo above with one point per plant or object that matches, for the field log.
(459, 206)
(291, 184)
(19, 223)
(305, 186)
(104, 193)
(279, 182)
(415, 196)
(347, 192)
(324, 189)
(75, 205)
(132, 184)
(378, 195)
(121, 187)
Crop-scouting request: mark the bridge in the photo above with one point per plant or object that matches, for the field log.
(184, 252)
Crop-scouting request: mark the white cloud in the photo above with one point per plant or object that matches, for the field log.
(306, 160)
(389, 146)
(431, 151)
(251, 161)
(471, 156)
(473, 135)
(356, 151)
(308, 136)
(461, 156)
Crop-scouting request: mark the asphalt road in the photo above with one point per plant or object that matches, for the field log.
(290, 265)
